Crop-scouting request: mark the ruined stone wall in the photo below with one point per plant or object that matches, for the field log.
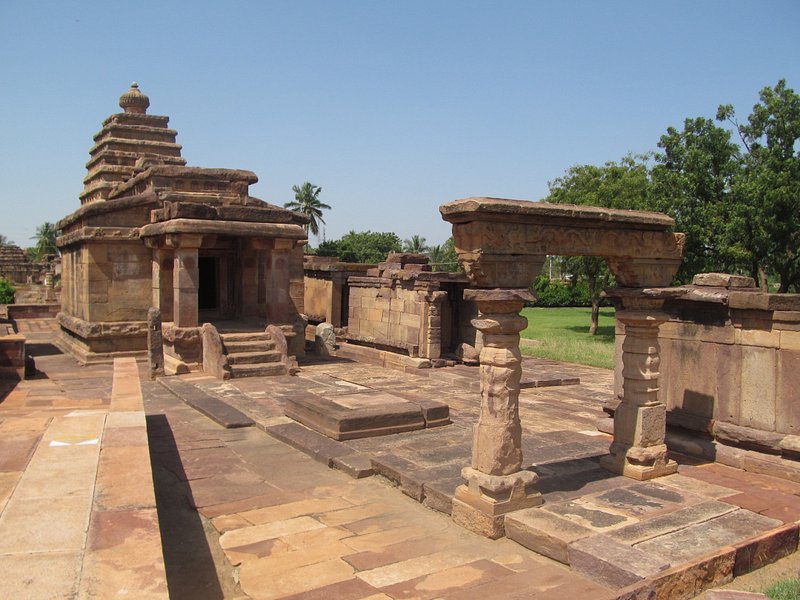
(730, 367)
(325, 288)
(387, 312)
(319, 299)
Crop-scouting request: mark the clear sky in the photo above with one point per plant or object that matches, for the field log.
(393, 107)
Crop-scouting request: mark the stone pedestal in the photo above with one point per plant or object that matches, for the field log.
(638, 450)
(495, 484)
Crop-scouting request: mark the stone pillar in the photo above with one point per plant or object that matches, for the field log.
(155, 343)
(639, 450)
(430, 342)
(163, 296)
(277, 283)
(495, 484)
(186, 280)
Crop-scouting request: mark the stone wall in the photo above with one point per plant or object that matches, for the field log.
(402, 305)
(326, 292)
(730, 365)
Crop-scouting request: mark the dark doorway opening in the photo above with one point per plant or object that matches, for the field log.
(207, 293)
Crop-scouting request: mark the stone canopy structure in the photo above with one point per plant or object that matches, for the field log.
(502, 245)
(189, 241)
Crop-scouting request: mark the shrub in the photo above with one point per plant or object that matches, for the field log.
(6, 292)
(558, 293)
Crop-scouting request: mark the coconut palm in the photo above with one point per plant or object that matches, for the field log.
(416, 245)
(306, 201)
(45, 238)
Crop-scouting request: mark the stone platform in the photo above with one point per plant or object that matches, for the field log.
(236, 505)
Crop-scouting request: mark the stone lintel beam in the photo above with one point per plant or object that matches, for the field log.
(98, 234)
(228, 228)
(502, 243)
(639, 450)
(495, 483)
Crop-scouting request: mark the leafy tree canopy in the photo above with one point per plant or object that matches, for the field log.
(361, 247)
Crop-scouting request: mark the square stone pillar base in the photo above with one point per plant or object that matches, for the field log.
(482, 503)
(639, 463)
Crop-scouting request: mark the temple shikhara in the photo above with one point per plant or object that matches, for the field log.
(189, 241)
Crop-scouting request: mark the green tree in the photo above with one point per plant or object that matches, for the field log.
(7, 292)
(45, 238)
(3, 240)
(692, 183)
(444, 258)
(622, 185)
(768, 187)
(306, 201)
(367, 246)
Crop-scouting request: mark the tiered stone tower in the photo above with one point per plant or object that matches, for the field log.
(128, 143)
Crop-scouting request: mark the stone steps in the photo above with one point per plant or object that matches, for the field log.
(249, 358)
(248, 346)
(258, 370)
(252, 354)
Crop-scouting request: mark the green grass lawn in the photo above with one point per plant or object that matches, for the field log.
(563, 334)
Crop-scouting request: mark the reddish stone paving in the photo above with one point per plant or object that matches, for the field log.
(284, 525)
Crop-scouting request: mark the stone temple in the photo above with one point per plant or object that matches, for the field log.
(189, 241)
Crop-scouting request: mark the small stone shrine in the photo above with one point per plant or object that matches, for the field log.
(189, 241)
(401, 305)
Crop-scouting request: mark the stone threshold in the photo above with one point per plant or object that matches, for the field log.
(213, 407)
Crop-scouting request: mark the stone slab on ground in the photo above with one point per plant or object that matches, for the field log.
(351, 416)
(544, 532)
(214, 408)
(615, 565)
(319, 447)
(702, 538)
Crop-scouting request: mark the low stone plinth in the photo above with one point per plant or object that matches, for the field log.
(365, 414)
(12, 354)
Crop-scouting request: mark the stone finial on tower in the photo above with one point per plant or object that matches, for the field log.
(134, 101)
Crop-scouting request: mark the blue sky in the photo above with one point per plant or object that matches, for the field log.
(392, 107)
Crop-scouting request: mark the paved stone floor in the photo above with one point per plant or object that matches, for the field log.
(243, 514)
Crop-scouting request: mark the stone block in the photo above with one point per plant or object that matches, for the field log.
(765, 549)
(758, 337)
(544, 532)
(640, 425)
(747, 437)
(689, 580)
(790, 340)
(356, 415)
(611, 563)
(758, 382)
(787, 408)
(696, 541)
(728, 383)
(476, 521)
(670, 522)
(723, 280)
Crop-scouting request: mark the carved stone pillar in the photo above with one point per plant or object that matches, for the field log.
(185, 279)
(430, 341)
(639, 450)
(277, 282)
(163, 269)
(495, 484)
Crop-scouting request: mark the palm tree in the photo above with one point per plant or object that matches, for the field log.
(45, 238)
(415, 245)
(306, 201)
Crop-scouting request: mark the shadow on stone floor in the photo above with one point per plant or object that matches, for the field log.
(191, 573)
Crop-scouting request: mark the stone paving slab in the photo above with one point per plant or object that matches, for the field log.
(325, 534)
(211, 406)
